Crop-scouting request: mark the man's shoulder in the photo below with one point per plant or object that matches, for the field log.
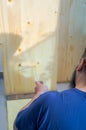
(49, 94)
(54, 94)
(68, 91)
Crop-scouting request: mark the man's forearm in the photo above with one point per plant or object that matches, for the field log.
(39, 89)
(34, 98)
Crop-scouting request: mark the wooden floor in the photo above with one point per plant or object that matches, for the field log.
(8, 109)
(13, 107)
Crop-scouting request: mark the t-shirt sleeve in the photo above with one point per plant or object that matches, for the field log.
(35, 115)
(27, 119)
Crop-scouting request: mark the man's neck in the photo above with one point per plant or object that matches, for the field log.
(81, 82)
(81, 87)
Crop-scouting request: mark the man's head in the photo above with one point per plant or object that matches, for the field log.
(79, 73)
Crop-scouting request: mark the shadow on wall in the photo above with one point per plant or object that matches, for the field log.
(35, 63)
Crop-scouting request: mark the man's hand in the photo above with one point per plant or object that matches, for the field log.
(40, 87)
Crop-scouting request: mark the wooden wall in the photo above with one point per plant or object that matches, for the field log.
(28, 34)
(72, 36)
(42, 40)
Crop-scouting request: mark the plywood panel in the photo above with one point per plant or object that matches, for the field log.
(32, 32)
(28, 34)
(72, 36)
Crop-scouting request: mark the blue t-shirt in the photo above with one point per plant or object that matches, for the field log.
(55, 111)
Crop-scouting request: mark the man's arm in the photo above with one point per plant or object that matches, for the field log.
(40, 88)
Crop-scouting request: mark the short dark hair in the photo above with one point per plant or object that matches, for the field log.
(73, 79)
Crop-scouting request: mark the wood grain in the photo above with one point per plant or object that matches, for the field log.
(28, 34)
(72, 40)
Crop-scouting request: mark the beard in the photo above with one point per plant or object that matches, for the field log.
(73, 80)
(84, 69)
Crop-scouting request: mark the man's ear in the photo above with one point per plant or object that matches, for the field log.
(81, 64)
